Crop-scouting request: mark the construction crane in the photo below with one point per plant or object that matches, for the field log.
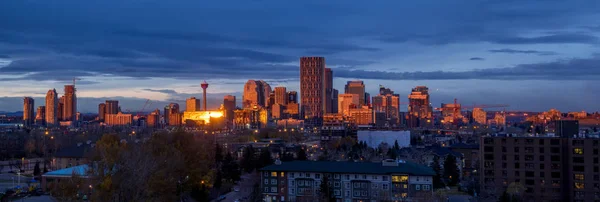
(456, 108)
(75, 79)
(147, 104)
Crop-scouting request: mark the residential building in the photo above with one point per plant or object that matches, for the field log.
(52, 108)
(358, 88)
(101, 111)
(420, 111)
(390, 180)
(229, 103)
(312, 92)
(328, 87)
(71, 156)
(70, 104)
(112, 107)
(40, 115)
(118, 119)
(281, 95)
(192, 104)
(28, 111)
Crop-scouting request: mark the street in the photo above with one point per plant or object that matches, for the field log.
(245, 189)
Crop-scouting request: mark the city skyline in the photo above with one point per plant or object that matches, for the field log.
(549, 51)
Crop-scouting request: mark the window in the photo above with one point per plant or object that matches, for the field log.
(517, 166)
(554, 150)
(281, 174)
(384, 178)
(347, 177)
(374, 177)
(516, 157)
(417, 187)
(355, 176)
(595, 151)
(578, 160)
(273, 174)
(336, 184)
(405, 186)
(266, 189)
(404, 195)
(292, 191)
(336, 176)
(516, 150)
(554, 142)
(336, 192)
(266, 181)
(542, 174)
(578, 151)
(399, 178)
(555, 174)
(274, 189)
(347, 185)
(579, 185)
(385, 186)
(364, 177)
(578, 168)
(293, 182)
(347, 194)
(555, 158)
(541, 150)
(307, 174)
(541, 166)
(542, 158)
(374, 186)
(541, 142)
(273, 181)
(579, 177)
(517, 173)
(266, 174)
(292, 174)
(318, 176)
(426, 187)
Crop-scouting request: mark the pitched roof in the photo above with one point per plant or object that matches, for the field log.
(350, 167)
(81, 170)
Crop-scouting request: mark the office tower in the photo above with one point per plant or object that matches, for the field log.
(292, 97)
(173, 115)
(28, 109)
(479, 116)
(312, 92)
(229, 103)
(362, 116)
(61, 108)
(347, 102)
(70, 106)
(367, 99)
(112, 106)
(118, 119)
(154, 119)
(204, 86)
(40, 115)
(358, 88)
(388, 103)
(281, 96)
(419, 107)
(545, 168)
(334, 101)
(192, 104)
(271, 100)
(101, 111)
(256, 93)
(328, 86)
(51, 108)
(293, 110)
(277, 111)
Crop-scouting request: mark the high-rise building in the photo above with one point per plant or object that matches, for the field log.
(70, 107)
(256, 92)
(112, 106)
(271, 99)
(52, 108)
(101, 111)
(192, 104)
(154, 119)
(312, 93)
(420, 111)
(479, 116)
(367, 99)
(388, 103)
(281, 95)
(362, 116)
(28, 110)
(277, 111)
(328, 86)
(229, 103)
(293, 110)
(358, 88)
(40, 115)
(266, 91)
(347, 102)
(61, 108)
(118, 119)
(173, 115)
(334, 101)
(292, 97)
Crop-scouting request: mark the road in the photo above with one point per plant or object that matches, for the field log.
(6, 181)
(245, 185)
(459, 198)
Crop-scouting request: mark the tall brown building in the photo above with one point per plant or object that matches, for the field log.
(358, 88)
(70, 107)
(112, 106)
(347, 102)
(389, 103)
(40, 115)
(292, 97)
(229, 103)
(101, 111)
(281, 95)
(118, 119)
(312, 92)
(192, 105)
(61, 108)
(173, 115)
(28, 110)
(543, 168)
(420, 111)
(52, 108)
(154, 119)
(328, 86)
(256, 92)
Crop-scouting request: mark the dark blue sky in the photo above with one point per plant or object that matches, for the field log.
(533, 55)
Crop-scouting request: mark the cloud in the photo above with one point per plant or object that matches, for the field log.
(513, 51)
(476, 58)
(547, 39)
(574, 69)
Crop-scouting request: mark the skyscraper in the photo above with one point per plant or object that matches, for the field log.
(266, 91)
(388, 103)
(229, 103)
(70, 107)
(101, 111)
(112, 107)
(419, 108)
(154, 119)
(292, 97)
(334, 101)
(174, 117)
(358, 88)
(328, 86)
(28, 108)
(347, 102)
(40, 115)
(61, 108)
(281, 95)
(312, 93)
(51, 108)
(192, 104)
(256, 92)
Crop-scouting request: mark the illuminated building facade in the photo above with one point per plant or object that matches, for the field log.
(347, 102)
(192, 104)
(52, 108)
(362, 116)
(112, 106)
(357, 88)
(101, 111)
(479, 116)
(292, 97)
(229, 103)
(70, 104)
(420, 111)
(293, 110)
(312, 92)
(40, 116)
(388, 103)
(328, 86)
(281, 96)
(61, 108)
(172, 115)
(118, 119)
(256, 92)
(28, 109)
(153, 120)
(251, 118)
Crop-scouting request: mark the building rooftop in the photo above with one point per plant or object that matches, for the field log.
(464, 146)
(350, 167)
(81, 170)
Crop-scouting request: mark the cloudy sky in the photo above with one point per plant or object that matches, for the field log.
(532, 55)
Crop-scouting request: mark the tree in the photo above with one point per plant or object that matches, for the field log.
(36, 169)
(231, 170)
(451, 172)
(218, 154)
(301, 155)
(396, 145)
(437, 178)
(326, 190)
(45, 169)
(287, 157)
(504, 197)
(264, 159)
(248, 162)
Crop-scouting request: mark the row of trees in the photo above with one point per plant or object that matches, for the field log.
(449, 175)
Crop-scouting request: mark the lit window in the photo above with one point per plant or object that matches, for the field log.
(404, 195)
(578, 151)
(405, 186)
(399, 178)
(281, 174)
(273, 174)
(579, 185)
(579, 177)
(417, 187)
